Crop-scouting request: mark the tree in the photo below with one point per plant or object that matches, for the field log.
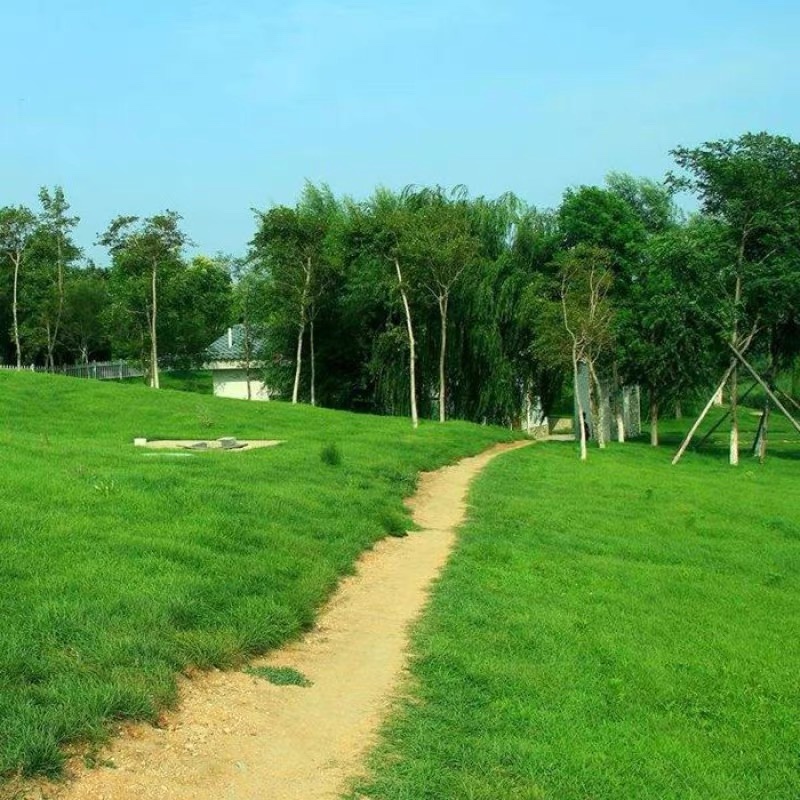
(249, 309)
(197, 306)
(290, 247)
(442, 248)
(575, 324)
(652, 201)
(142, 251)
(86, 305)
(598, 217)
(17, 226)
(57, 248)
(664, 334)
(751, 185)
(382, 231)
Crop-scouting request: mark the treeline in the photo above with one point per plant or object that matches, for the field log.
(430, 302)
(58, 308)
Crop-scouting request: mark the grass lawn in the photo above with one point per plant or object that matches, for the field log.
(618, 630)
(121, 566)
(199, 381)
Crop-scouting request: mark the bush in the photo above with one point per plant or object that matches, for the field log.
(331, 455)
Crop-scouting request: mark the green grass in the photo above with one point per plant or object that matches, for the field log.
(615, 630)
(198, 381)
(280, 676)
(120, 567)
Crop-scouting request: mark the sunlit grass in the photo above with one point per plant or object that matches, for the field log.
(613, 630)
(120, 567)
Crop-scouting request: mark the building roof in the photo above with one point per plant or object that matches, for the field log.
(230, 346)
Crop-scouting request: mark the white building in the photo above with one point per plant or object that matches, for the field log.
(235, 373)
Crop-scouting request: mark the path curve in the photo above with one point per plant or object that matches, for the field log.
(237, 737)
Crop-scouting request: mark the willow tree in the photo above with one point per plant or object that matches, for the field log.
(442, 246)
(383, 232)
(290, 248)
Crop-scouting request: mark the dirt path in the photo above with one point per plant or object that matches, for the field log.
(237, 737)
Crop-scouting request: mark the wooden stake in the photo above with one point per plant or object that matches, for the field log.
(765, 387)
(722, 419)
(699, 420)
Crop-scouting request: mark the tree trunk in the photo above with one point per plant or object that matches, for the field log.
(678, 410)
(760, 445)
(734, 401)
(734, 388)
(619, 417)
(14, 307)
(301, 329)
(653, 420)
(313, 361)
(443, 300)
(581, 432)
(155, 383)
(52, 334)
(48, 359)
(599, 412)
(412, 355)
(247, 358)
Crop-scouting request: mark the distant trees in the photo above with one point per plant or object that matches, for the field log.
(432, 303)
(17, 227)
(146, 266)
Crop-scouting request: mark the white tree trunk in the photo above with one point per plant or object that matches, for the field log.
(653, 422)
(443, 300)
(52, 335)
(312, 355)
(14, 307)
(734, 388)
(298, 361)
(155, 383)
(733, 455)
(581, 411)
(412, 354)
(598, 415)
(301, 331)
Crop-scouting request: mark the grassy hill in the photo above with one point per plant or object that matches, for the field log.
(613, 630)
(120, 567)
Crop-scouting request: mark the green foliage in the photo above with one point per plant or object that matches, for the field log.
(619, 633)
(122, 566)
(322, 291)
(331, 454)
(750, 186)
(652, 201)
(667, 338)
(600, 218)
(280, 676)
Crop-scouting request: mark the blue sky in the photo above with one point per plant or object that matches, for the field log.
(212, 108)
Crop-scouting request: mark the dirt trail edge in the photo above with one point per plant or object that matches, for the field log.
(238, 737)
